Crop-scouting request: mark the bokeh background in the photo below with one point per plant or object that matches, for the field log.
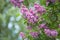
(11, 21)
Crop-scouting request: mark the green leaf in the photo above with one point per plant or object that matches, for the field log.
(42, 2)
(18, 14)
(26, 3)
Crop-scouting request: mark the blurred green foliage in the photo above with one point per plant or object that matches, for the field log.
(11, 21)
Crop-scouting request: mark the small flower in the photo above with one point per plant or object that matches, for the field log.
(32, 11)
(22, 34)
(24, 10)
(16, 2)
(39, 8)
(43, 25)
(54, 33)
(34, 34)
(47, 32)
(51, 33)
(32, 18)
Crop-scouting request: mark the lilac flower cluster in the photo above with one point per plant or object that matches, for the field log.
(16, 2)
(39, 8)
(34, 34)
(43, 25)
(50, 33)
(47, 31)
(30, 15)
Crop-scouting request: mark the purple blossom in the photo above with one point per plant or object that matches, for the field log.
(16, 2)
(30, 15)
(47, 32)
(24, 10)
(32, 11)
(32, 19)
(34, 34)
(54, 33)
(51, 33)
(39, 8)
(43, 25)
(22, 34)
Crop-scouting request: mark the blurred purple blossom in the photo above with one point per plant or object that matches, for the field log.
(34, 34)
(39, 8)
(54, 33)
(24, 10)
(30, 15)
(47, 32)
(43, 25)
(51, 33)
(22, 34)
(16, 2)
